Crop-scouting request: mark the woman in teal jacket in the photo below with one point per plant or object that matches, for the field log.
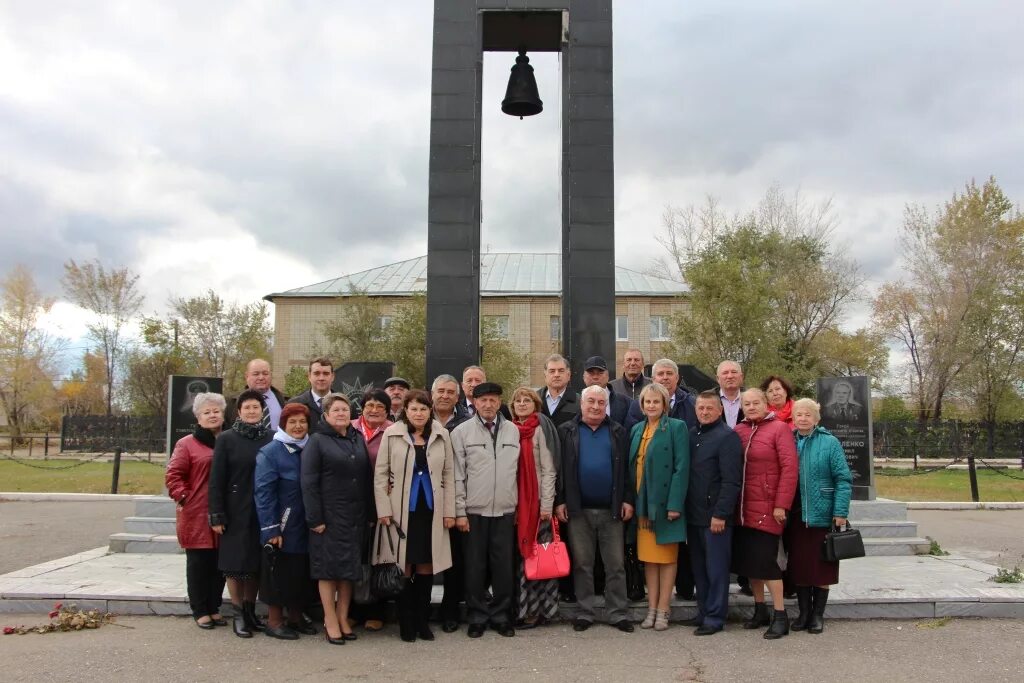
(659, 466)
(821, 502)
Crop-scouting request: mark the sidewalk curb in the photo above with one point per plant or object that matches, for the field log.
(944, 505)
(15, 496)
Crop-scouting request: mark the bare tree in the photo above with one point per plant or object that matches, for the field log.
(113, 297)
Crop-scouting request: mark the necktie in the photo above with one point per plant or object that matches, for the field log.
(319, 405)
(490, 427)
(265, 422)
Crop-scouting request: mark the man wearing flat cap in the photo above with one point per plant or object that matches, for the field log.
(486, 492)
(396, 388)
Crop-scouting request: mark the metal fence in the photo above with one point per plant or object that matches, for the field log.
(948, 439)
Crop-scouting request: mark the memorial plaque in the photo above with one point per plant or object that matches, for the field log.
(355, 379)
(846, 412)
(181, 391)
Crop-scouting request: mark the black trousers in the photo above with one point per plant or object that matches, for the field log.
(204, 580)
(454, 579)
(684, 574)
(490, 546)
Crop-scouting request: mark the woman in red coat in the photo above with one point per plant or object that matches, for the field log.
(188, 474)
(769, 484)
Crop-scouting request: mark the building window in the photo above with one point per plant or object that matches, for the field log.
(556, 328)
(497, 325)
(383, 323)
(621, 328)
(659, 328)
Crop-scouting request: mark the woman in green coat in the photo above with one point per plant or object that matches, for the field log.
(659, 465)
(822, 500)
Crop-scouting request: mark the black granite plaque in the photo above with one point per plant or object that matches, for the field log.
(846, 412)
(183, 389)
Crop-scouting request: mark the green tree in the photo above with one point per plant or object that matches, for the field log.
(767, 288)
(504, 362)
(296, 381)
(28, 355)
(893, 409)
(356, 334)
(113, 298)
(146, 379)
(958, 315)
(406, 340)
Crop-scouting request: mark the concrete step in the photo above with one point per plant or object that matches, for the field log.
(885, 529)
(144, 543)
(896, 546)
(154, 506)
(161, 526)
(881, 509)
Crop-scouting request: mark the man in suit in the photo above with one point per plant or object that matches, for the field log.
(682, 404)
(259, 378)
(633, 379)
(730, 388)
(557, 400)
(321, 377)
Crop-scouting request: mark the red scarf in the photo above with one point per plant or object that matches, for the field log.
(785, 413)
(368, 431)
(528, 510)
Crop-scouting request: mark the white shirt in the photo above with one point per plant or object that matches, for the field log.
(552, 401)
(732, 408)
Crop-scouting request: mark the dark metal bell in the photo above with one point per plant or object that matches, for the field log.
(521, 97)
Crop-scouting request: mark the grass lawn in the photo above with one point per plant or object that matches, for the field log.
(93, 477)
(950, 485)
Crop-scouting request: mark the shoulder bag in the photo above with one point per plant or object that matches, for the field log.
(842, 544)
(387, 579)
(548, 560)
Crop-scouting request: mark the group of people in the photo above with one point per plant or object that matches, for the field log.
(289, 502)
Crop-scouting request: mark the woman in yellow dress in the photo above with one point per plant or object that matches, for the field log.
(660, 464)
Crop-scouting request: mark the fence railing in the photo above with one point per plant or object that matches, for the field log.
(948, 439)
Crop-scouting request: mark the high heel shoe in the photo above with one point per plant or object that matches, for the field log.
(333, 641)
(648, 621)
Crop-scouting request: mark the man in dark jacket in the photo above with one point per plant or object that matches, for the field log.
(681, 401)
(258, 378)
(716, 477)
(594, 492)
(557, 400)
(633, 379)
(595, 373)
(321, 377)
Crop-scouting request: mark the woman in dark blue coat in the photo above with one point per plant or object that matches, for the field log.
(284, 576)
(337, 489)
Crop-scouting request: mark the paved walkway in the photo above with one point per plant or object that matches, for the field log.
(870, 587)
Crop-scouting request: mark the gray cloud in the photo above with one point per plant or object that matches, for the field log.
(301, 131)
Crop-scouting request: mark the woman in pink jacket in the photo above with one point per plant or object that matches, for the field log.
(187, 478)
(769, 484)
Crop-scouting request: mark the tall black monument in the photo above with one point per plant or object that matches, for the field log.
(581, 30)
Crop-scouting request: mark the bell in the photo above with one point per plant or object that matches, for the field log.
(521, 97)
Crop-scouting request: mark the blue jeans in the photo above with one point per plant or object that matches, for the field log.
(710, 555)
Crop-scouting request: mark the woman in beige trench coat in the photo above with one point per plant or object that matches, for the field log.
(414, 488)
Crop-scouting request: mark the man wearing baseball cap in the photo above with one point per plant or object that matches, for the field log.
(486, 492)
(595, 373)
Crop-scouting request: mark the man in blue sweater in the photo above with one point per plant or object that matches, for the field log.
(594, 492)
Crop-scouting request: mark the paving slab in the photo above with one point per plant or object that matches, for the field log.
(883, 587)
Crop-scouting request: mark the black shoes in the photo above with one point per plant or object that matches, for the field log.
(206, 625)
(333, 641)
(703, 630)
(450, 626)
(819, 598)
(304, 628)
(803, 601)
(241, 627)
(625, 625)
(252, 620)
(581, 624)
(218, 621)
(475, 630)
(760, 618)
(692, 621)
(504, 629)
(779, 626)
(281, 633)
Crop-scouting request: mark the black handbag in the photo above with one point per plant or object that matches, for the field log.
(842, 544)
(388, 579)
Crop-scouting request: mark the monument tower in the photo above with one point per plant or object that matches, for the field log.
(581, 30)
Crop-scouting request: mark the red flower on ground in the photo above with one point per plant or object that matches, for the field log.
(8, 630)
(54, 613)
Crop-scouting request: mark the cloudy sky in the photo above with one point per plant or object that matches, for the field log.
(257, 146)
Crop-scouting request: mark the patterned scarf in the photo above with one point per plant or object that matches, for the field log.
(253, 432)
(528, 510)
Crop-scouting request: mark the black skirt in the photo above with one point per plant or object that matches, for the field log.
(755, 554)
(806, 568)
(419, 547)
(284, 579)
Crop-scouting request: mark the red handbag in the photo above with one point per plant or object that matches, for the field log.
(548, 560)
